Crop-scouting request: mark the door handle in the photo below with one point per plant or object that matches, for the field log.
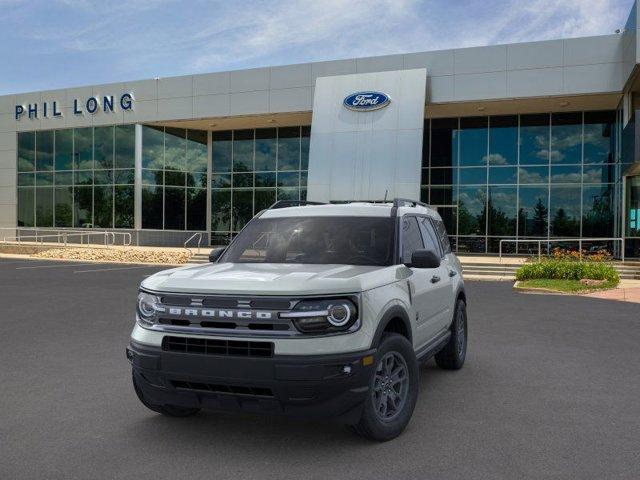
(435, 279)
(452, 273)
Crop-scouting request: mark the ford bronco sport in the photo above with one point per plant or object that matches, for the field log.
(313, 310)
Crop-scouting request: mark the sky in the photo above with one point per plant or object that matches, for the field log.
(48, 44)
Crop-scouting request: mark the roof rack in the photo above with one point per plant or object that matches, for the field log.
(402, 202)
(292, 203)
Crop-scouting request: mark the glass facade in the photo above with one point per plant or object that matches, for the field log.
(251, 169)
(523, 177)
(80, 177)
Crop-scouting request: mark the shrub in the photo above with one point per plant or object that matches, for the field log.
(601, 255)
(568, 270)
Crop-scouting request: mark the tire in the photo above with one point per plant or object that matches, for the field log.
(168, 410)
(382, 423)
(452, 356)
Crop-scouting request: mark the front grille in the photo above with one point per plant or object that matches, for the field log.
(207, 346)
(218, 388)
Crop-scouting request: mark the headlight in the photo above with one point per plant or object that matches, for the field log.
(148, 306)
(324, 316)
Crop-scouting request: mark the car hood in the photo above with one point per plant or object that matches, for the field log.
(272, 279)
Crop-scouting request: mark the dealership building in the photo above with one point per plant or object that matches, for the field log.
(527, 141)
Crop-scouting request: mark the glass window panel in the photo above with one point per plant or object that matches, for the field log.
(175, 149)
(220, 181)
(83, 206)
(443, 176)
(26, 179)
(26, 205)
(125, 150)
(64, 178)
(533, 212)
(44, 207)
(501, 175)
(473, 141)
(303, 179)
(197, 151)
(304, 147)
(242, 210)
(103, 207)
(266, 143)
(503, 140)
(265, 179)
(83, 148)
(599, 140)
(473, 176)
(221, 146)
(221, 210)
(502, 210)
(152, 207)
(64, 150)
(600, 173)
(44, 179)
(243, 150)
(426, 143)
(126, 176)
(152, 147)
(289, 148)
(152, 177)
(197, 179)
(424, 176)
(174, 201)
(83, 177)
(176, 179)
(102, 177)
(103, 147)
(443, 141)
(571, 174)
(597, 211)
(303, 194)
(265, 197)
(566, 138)
(26, 151)
(242, 180)
(564, 211)
(123, 206)
(533, 175)
(472, 210)
(44, 150)
(441, 196)
(534, 139)
(288, 179)
(471, 244)
(196, 209)
(288, 193)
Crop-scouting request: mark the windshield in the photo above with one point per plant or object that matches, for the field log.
(319, 240)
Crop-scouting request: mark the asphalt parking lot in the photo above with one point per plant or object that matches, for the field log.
(551, 389)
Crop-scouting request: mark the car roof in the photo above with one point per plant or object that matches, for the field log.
(352, 209)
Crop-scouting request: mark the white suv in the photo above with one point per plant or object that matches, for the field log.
(314, 310)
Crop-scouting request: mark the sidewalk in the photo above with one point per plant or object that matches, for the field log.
(627, 291)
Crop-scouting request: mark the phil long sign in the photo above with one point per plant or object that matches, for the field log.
(91, 105)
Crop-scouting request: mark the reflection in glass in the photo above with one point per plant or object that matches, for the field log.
(533, 175)
(26, 207)
(103, 207)
(566, 138)
(44, 207)
(152, 147)
(473, 141)
(152, 207)
(174, 208)
(605, 173)
(103, 147)
(242, 209)
(175, 149)
(564, 174)
(243, 150)
(564, 211)
(26, 151)
(599, 141)
(196, 151)
(265, 197)
(83, 206)
(63, 207)
(123, 201)
(196, 209)
(533, 212)
(305, 132)
(125, 149)
(472, 210)
(597, 211)
(220, 210)
(266, 145)
(501, 209)
(503, 141)
(443, 142)
(63, 150)
(534, 139)
(83, 148)
(44, 150)
(473, 176)
(289, 148)
(502, 175)
(221, 147)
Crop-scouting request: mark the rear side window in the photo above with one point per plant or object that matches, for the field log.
(429, 235)
(411, 238)
(442, 234)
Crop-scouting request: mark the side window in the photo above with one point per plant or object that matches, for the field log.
(411, 238)
(442, 234)
(429, 236)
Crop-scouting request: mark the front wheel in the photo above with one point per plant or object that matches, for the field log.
(393, 391)
(452, 356)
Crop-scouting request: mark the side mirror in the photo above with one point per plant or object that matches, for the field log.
(424, 259)
(216, 253)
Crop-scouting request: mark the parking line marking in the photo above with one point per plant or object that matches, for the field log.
(55, 266)
(113, 268)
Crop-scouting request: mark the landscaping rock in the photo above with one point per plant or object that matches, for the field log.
(119, 255)
(592, 283)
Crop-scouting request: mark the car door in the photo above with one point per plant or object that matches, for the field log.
(445, 272)
(423, 283)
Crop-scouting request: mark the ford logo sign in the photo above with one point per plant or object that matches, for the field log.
(366, 101)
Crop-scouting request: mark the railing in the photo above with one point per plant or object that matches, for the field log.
(75, 237)
(198, 235)
(549, 241)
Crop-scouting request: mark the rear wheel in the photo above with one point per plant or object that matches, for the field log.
(393, 391)
(452, 356)
(169, 410)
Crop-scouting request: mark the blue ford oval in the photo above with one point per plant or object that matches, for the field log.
(366, 101)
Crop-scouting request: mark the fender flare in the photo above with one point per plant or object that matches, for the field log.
(395, 311)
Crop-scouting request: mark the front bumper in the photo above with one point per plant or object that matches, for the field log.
(319, 386)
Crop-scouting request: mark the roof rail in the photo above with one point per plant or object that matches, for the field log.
(401, 202)
(292, 203)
